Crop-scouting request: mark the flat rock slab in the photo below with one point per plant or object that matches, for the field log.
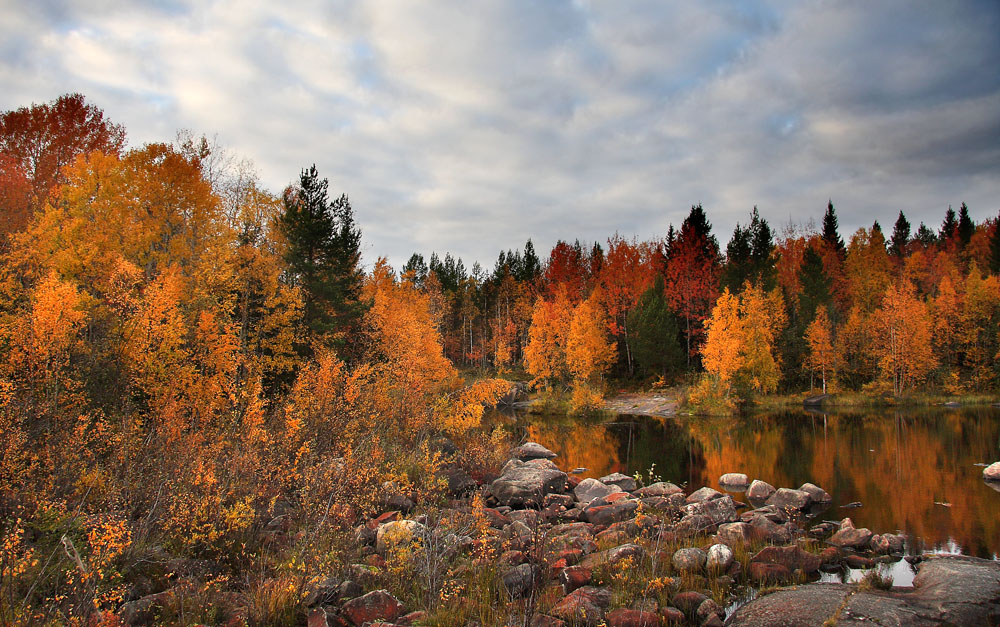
(950, 590)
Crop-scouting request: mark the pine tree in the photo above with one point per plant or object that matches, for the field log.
(925, 236)
(416, 268)
(995, 247)
(531, 267)
(830, 234)
(324, 258)
(949, 226)
(900, 237)
(762, 252)
(656, 344)
(738, 262)
(966, 227)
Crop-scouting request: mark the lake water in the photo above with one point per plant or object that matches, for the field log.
(918, 472)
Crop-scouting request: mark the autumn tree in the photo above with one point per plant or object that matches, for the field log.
(763, 318)
(545, 354)
(656, 336)
(903, 342)
(867, 269)
(38, 141)
(819, 337)
(323, 256)
(589, 352)
(692, 275)
(625, 274)
(722, 354)
(979, 326)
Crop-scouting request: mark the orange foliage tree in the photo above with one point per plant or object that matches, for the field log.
(819, 336)
(903, 342)
(545, 354)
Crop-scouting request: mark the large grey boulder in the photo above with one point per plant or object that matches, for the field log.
(849, 537)
(948, 590)
(759, 491)
(736, 480)
(704, 494)
(790, 500)
(623, 482)
(533, 450)
(816, 493)
(992, 472)
(722, 510)
(660, 488)
(590, 489)
(396, 533)
(521, 484)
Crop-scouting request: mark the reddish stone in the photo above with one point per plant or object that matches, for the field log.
(859, 561)
(616, 496)
(584, 606)
(623, 617)
(557, 567)
(574, 577)
(767, 572)
(572, 481)
(572, 556)
(384, 518)
(374, 606)
(541, 620)
(830, 555)
(513, 558)
(412, 618)
(689, 601)
(495, 518)
(317, 618)
(791, 557)
(672, 615)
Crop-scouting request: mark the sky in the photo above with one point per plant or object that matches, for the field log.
(469, 127)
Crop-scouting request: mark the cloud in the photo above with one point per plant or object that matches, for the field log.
(470, 130)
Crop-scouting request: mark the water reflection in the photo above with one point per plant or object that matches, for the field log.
(912, 471)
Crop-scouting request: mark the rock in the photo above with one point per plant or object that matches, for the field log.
(400, 503)
(547, 464)
(623, 617)
(397, 532)
(992, 472)
(607, 514)
(672, 615)
(413, 618)
(948, 590)
(790, 500)
(561, 500)
(573, 577)
(734, 480)
(533, 450)
(707, 610)
(317, 617)
(719, 558)
(759, 490)
(734, 534)
(704, 494)
(521, 485)
(720, 510)
(661, 488)
(766, 572)
(623, 482)
(849, 537)
(520, 580)
(590, 489)
(791, 557)
(816, 493)
(693, 524)
(690, 560)
(766, 529)
(614, 555)
(859, 561)
(822, 530)
(688, 601)
(377, 605)
(583, 606)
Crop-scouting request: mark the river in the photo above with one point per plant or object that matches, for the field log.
(917, 472)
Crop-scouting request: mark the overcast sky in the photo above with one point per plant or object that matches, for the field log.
(469, 126)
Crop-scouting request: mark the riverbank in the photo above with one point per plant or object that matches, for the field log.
(537, 546)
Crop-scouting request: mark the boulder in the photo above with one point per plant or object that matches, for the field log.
(689, 560)
(624, 482)
(948, 590)
(607, 514)
(767, 572)
(374, 606)
(704, 494)
(397, 532)
(734, 480)
(624, 617)
(660, 488)
(721, 510)
(992, 472)
(707, 610)
(583, 606)
(688, 601)
(734, 534)
(573, 577)
(849, 537)
(790, 500)
(816, 493)
(590, 489)
(614, 555)
(719, 558)
(672, 615)
(543, 620)
(791, 557)
(760, 490)
(520, 580)
(533, 450)
(459, 481)
(522, 485)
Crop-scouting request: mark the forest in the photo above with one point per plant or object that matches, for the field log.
(202, 385)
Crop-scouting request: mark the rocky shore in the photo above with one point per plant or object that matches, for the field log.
(608, 551)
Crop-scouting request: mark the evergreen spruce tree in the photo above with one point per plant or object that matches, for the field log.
(531, 266)
(762, 252)
(966, 227)
(995, 247)
(739, 265)
(900, 237)
(925, 236)
(418, 267)
(949, 227)
(655, 342)
(830, 234)
(324, 258)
